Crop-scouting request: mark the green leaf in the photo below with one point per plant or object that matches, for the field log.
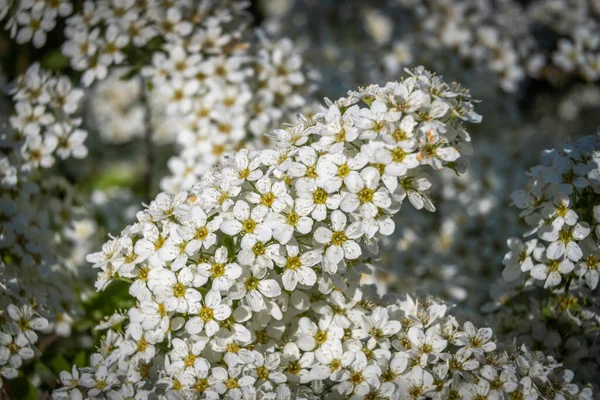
(58, 364)
(55, 61)
(81, 359)
(130, 74)
(368, 100)
(22, 389)
(228, 243)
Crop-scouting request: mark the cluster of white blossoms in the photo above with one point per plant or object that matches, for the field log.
(556, 265)
(445, 254)
(559, 205)
(106, 33)
(116, 110)
(36, 214)
(249, 285)
(44, 124)
(217, 103)
(18, 326)
(509, 38)
(554, 40)
(31, 20)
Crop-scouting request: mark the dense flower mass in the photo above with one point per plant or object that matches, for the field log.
(276, 263)
(249, 285)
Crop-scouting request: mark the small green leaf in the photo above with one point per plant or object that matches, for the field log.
(21, 388)
(55, 61)
(58, 364)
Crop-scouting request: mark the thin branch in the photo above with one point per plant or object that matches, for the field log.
(150, 156)
(5, 390)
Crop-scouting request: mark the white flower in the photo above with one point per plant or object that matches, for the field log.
(255, 288)
(34, 25)
(426, 346)
(285, 224)
(272, 195)
(174, 289)
(249, 223)
(209, 311)
(297, 267)
(199, 232)
(13, 350)
(24, 322)
(340, 240)
(221, 272)
(364, 192)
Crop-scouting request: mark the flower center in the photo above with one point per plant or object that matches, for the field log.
(207, 314)
(259, 248)
(217, 270)
(293, 263)
(398, 155)
(231, 383)
(162, 311)
(320, 196)
(252, 284)
(142, 345)
(179, 290)
(365, 195)
(201, 385)
(338, 238)
(356, 378)
(335, 364)
(292, 218)
(233, 348)
(399, 135)
(321, 337)
(262, 372)
(249, 225)
(343, 170)
(201, 233)
(244, 173)
(267, 199)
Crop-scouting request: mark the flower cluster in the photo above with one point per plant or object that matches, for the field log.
(103, 34)
(509, 38)
(44, 123)
(249, 285)
(222, 274)
(31, 20)
(560, 206)
(554, 41)
(219, 102)
(37, 214)
(18, 326)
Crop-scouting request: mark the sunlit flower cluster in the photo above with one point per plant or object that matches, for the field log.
(249, 285)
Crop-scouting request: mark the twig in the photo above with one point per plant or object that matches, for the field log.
(48, 340)
(5, 390)
(147, 141)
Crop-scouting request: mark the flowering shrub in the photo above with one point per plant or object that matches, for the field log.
(275, 264)
(249, 285)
